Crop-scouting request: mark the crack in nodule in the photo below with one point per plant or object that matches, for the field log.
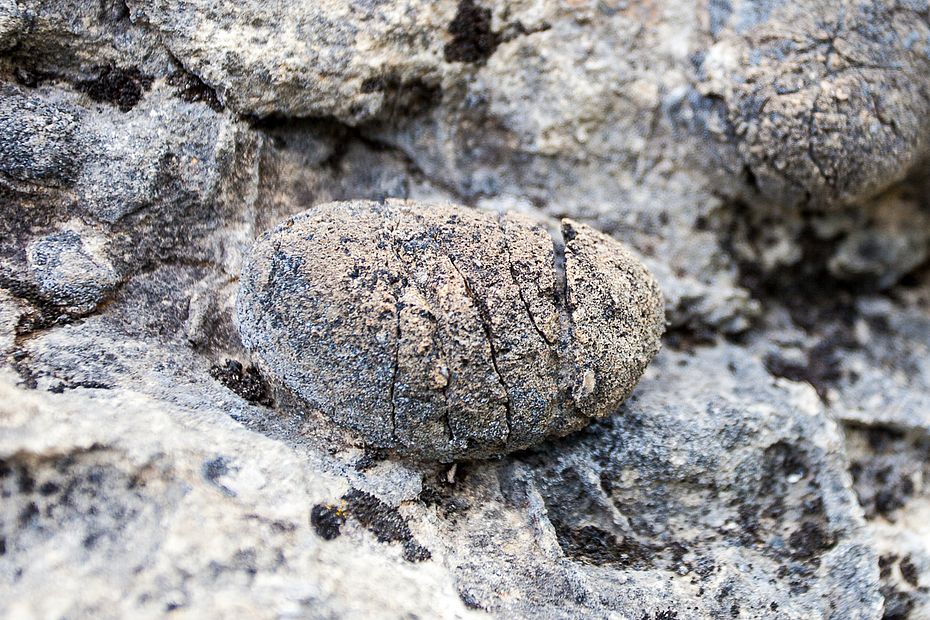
(566, 330)
(410, 281)
(513, 275)
(485, 320)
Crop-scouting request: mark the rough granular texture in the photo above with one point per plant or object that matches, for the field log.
(826, 102)
(444, 332)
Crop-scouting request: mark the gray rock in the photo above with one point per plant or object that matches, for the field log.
(589, 132)
(113, 193)
(40, 139)
(116, 499)
(346, 59)
(866, 356)
(731, 501)
(446, 333)
(179, 168)
(739, 488)
(882, 372)
(76, 41)
(70, 274)
(12, 23)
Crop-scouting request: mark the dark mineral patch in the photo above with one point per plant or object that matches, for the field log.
(385, 523)
(327, 521)
(472, 38)
(120, 87)
(246, 382)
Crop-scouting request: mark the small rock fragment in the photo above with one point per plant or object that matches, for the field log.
(444, 332)
(69, 273)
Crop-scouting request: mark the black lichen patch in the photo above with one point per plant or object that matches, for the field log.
(385, 522)
(192, 89)
(42, 313)
(439, 492)
(817, 301)
(810, 540)
(29, 76)
(900, 599)
(327, 521)
(789, 494)
(593, 545)
(28, 378)
(689, 337)
(636, 547)
(246, 382)
(898, 603)
(909, 571)
(469, 600)
(61, 386)
(472, 38)
(823, 367)
(120, 87)
(370, 458)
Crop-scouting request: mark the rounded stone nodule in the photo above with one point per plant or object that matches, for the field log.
(442, 332)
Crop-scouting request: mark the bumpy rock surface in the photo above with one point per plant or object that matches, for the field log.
(826, 102)
(305, 59)
(766, 160)
(444, 332)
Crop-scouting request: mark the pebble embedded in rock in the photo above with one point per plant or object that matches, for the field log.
(444, 332)
(69, 271)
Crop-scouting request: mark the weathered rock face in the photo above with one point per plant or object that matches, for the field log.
(90, 199)
(306, 59)
(444, 332)
(764, 159)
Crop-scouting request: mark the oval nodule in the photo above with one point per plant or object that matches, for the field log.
(443, 332)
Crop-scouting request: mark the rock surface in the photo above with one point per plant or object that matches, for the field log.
(345, 59)
(765, 160)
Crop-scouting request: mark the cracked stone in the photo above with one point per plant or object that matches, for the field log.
(415, 327)
(825, 103)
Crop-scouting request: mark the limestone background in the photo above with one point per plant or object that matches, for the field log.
(766, 159)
